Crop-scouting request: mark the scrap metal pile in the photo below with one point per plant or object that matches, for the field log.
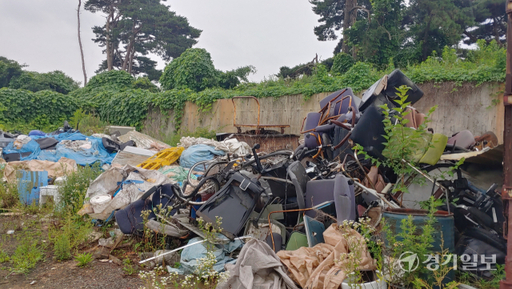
(291, 202)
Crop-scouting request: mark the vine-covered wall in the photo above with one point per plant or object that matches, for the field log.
(460, 107)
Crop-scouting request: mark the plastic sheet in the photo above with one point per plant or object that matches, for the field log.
(197, 153)
(191, 255)
(83, 155)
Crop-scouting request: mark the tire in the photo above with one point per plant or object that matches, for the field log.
(207, 170)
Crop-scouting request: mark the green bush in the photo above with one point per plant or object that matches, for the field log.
(34, 81)
(21, 109)
(193, 69)
(114, 78)
(342, 63)
(145, 83)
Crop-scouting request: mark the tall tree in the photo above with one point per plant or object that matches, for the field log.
(434, 24)
(378, 37)
(80, 41)
(491, 22)
(136, 28)
(336, 15)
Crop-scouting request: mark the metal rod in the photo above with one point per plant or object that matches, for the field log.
(426, 176)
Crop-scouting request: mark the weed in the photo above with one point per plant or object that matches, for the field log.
(360, 245)
(26, 255)
(62, 247)
(66, 238)
(3, 256)
(84, 259)
(129, 268)
(75, 186)
(482, 283)
(8, 194)
(210, 230)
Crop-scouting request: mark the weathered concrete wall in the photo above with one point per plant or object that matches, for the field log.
(158, 125)
(289, 110)
(459, 107)
(475, 108)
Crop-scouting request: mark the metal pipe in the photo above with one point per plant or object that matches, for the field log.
(186, 246)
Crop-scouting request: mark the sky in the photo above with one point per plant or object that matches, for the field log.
(267, 34)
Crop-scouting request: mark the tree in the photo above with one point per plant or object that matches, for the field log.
(336, 15)
(432, 25)
(491, 22)
(136, 28)
(141, 65)
(80, 41)
(232, 78)
(193, 69)
(34, 81)
(9, 69)
(378, 38)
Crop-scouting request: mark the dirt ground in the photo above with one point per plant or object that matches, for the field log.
(51, 273)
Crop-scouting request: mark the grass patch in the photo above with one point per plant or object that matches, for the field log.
(83, 259)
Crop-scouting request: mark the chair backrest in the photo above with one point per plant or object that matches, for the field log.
(299, 177)
(344, 198)
(369, 132)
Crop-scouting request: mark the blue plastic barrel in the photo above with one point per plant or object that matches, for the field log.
(444, 229)
(29, 184)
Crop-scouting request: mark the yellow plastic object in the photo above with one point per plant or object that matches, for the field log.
(163, 158)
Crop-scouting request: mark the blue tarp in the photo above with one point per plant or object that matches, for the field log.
(197, 153)
(83, 157)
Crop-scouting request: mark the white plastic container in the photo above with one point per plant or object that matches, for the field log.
(50, 191)
(100, 202)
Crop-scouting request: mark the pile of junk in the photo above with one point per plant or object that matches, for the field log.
(279, 212)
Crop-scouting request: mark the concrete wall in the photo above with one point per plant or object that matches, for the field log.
(459, 107)
(475, 108)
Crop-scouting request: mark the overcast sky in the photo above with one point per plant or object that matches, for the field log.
(267, 34)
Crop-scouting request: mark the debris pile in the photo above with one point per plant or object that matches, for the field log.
(273, 219)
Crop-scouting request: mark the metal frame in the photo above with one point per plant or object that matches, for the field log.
(258, 126)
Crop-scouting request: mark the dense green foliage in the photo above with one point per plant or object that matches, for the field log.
(114, 78)
(303, 69)
(37, 110)
(342, 63)
(406, 31)
(34, 81)
(9, 69)
(13, 76)
(193, 69)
